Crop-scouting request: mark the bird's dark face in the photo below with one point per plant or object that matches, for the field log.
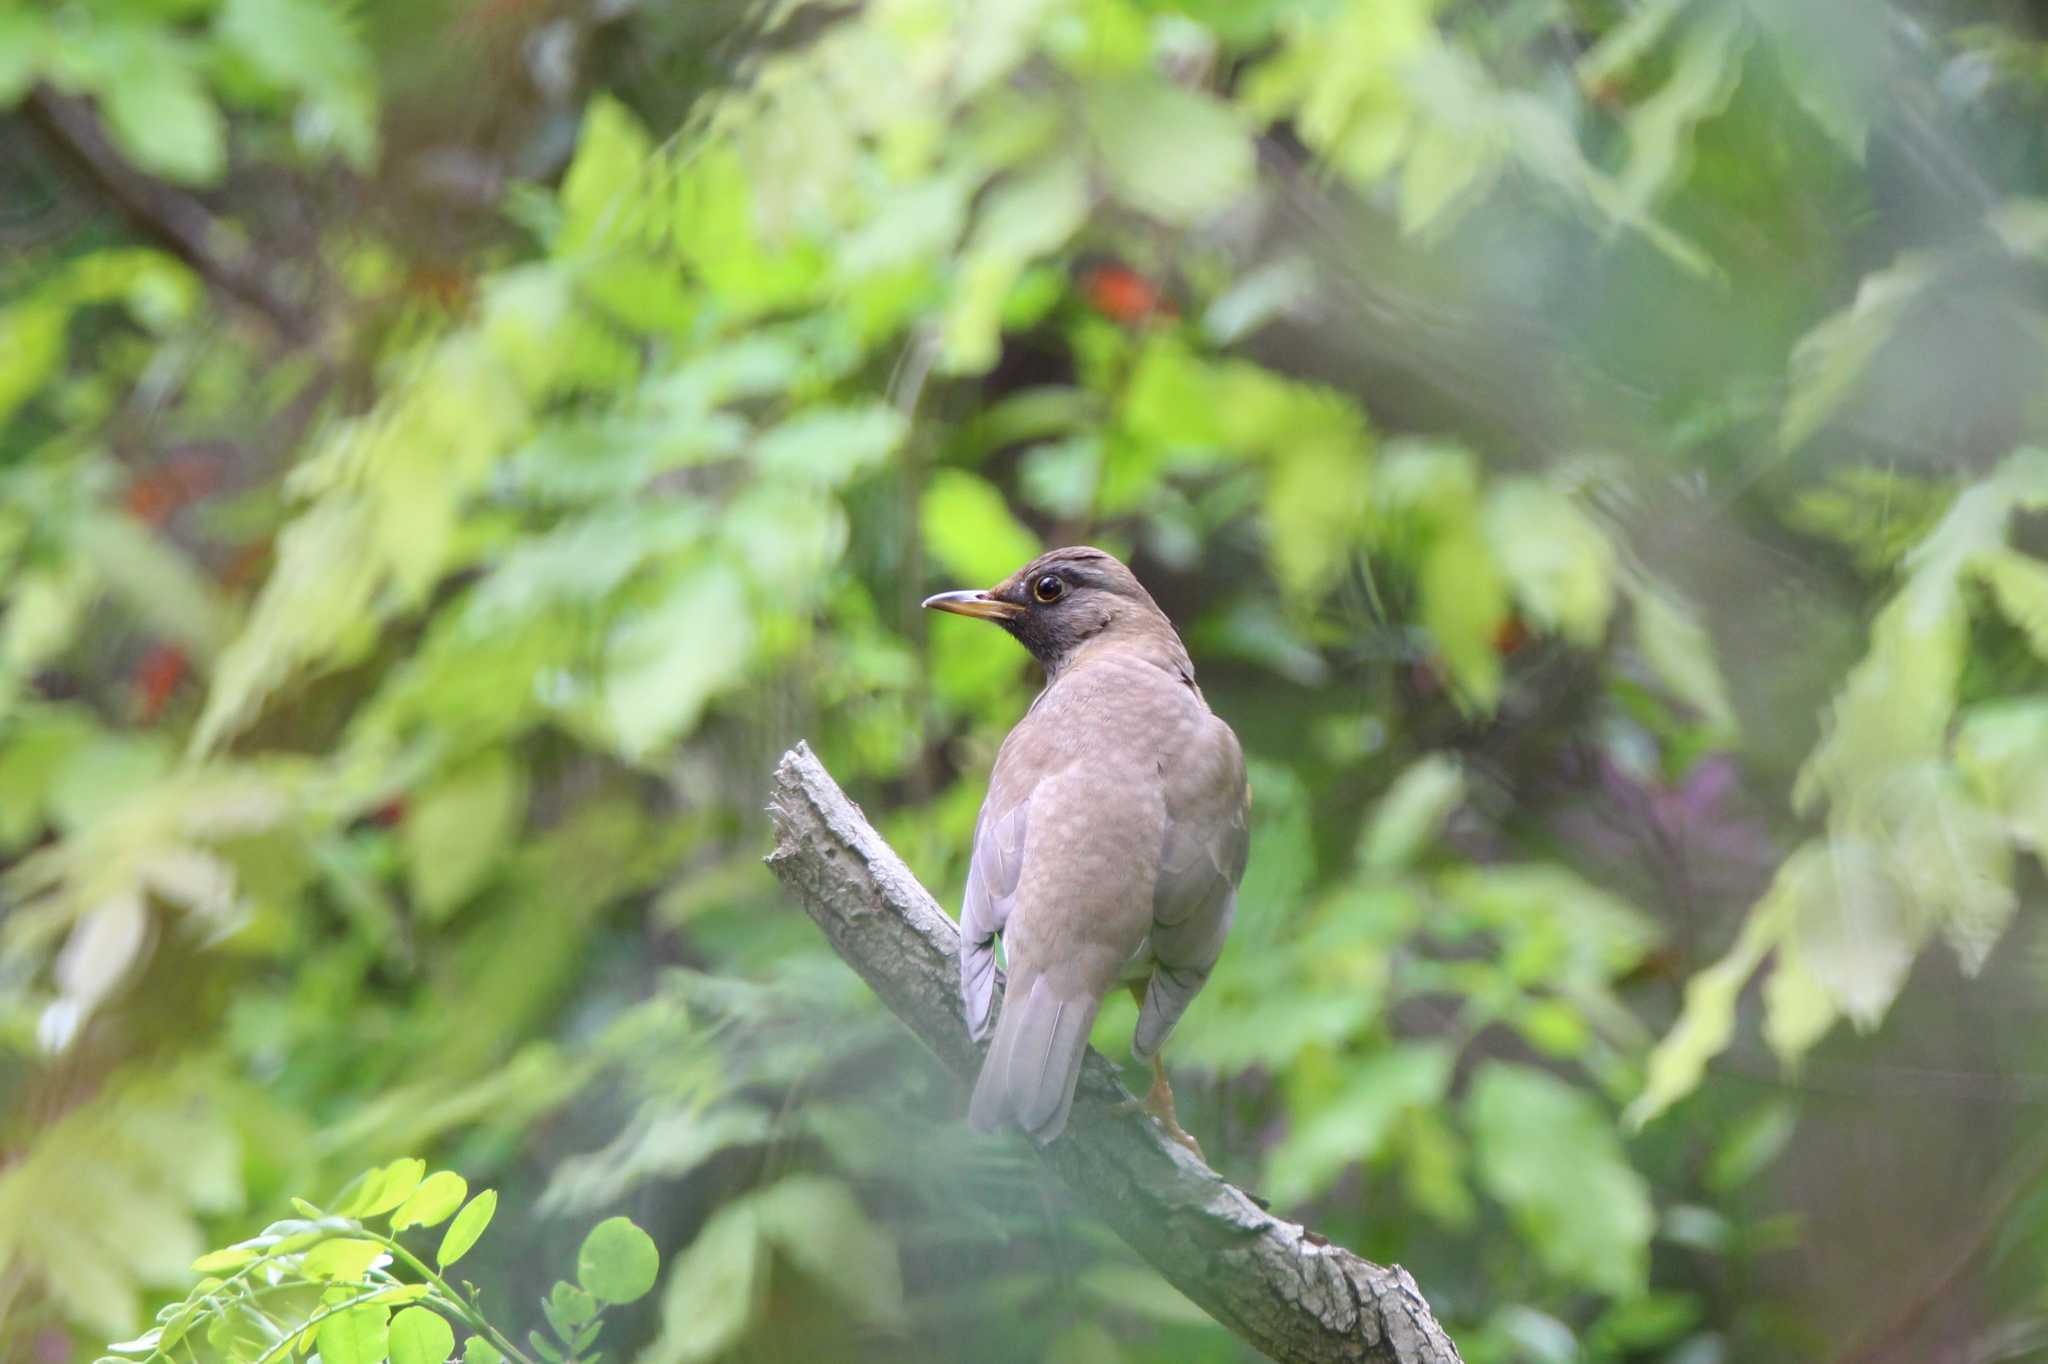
(1061, 601)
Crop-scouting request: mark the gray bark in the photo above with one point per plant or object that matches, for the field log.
(1277, 1285)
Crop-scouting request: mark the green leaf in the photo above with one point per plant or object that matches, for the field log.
(2020, 583)
(1705, 70)
(1022, 218)
(360, 1335)
(1798, 1007)
(1706, 1022)
(221, 1261)
(665, 663)
(618, 1262)
(160, 114)
(2001, 752)
(1950, 856)
(382, 1189)
(1446, 167)
(1549, 1153)
(1317, 501)
(1679, 650)
(468, 1225)
(310, 47)
(1413, 811)
(437, 1196)
(1140, 1290)
(162, 587)
(821, 1229)
(458, 829)
(569, 1307)
(969, 530)
(715, 1292)
(1560, 566)
(1830, 360)
(1354, 1124)
(343, 1258)
(419, 1335)
(1170, 152)
(1464, 601)
(1751, 1144)
(611, 153)
(830, 445)
(477, 1350)
(1853, 927)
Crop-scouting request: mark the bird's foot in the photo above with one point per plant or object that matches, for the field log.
(1158, 1105)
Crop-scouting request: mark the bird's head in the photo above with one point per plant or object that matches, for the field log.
(1070, 599)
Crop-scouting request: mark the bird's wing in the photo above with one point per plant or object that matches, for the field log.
(1207, 840)
(992, 874)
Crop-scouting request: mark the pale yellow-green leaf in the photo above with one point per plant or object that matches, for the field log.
(1353, 1125)
(1138, 1290)
(1559, 565)
(1446, 167)
(1951, 857)
(1632, 37)
(344, 1258)
(2001, 753)
(1798, 1008)
(2020, 583)
(469, 1224)
(970, 531)
(384, 1188)
(162, 116)
(1316, 509)
(359, 1335)
(436, 1198)
(1549, 1152)
(107, 943)
(818, 1226)
(611, 155)
(1705, 68)
(1706, 1021)
(1830, 360)
(420, 1335)
(715, 1292)
(1464, 601)
(158, 583)
(458, 829)
(1855, 928)
(1681, 653)
(1412, 812)
(1170, 152)
(664, 663)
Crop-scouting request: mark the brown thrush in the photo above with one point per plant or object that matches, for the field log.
(1111, 843)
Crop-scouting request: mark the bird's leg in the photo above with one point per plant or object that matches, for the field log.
(1158, 1100)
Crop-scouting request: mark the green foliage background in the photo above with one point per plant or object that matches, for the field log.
(448, 450)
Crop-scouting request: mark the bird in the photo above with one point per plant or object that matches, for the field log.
(1110, 845)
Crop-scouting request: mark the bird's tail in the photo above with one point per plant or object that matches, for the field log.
(1034, 1061)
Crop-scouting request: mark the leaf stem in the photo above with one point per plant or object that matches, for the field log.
(470, 1315)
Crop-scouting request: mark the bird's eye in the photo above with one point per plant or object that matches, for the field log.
(1050, 588)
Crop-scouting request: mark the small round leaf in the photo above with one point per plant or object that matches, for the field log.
(419, 1335)
(360, 1335)
(438, 1195)
(467, 1226)
(618, 1262)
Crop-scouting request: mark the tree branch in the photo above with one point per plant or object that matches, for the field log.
(166, 215)
(1279, 1286)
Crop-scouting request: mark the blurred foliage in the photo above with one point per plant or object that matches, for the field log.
(447, 451)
